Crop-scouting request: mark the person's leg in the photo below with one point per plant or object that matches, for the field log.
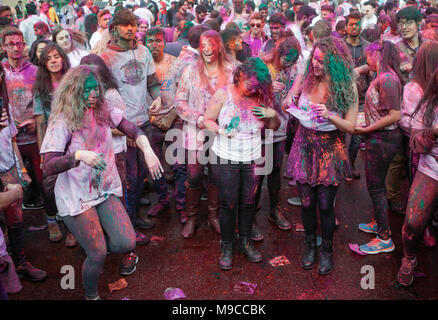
(131, 182)
(213, 197)
(326, 198)
(228, 184)
(180, 174)
(87, 229)
(135, 174)
(121, 168)
(17, 232)
(249, 183)
(394, 179)
(31, 153)
(195, 174)
(117, 225)
(422, 202)
(381, 148)
(48, 193)
(274, 186)
(308, 196)
(353, 149)
(156, 139)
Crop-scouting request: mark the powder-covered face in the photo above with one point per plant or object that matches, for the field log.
(256, 27)
(39, 49)
(209, 50)
(127, 31)
(104, 20)
(276, 30)
(143, 27)
(318, 62)
(91, 91)
(155, 43)
(372, 59)
(54, 61)
(289, 59)
(248, 86)
(64, 41)
(14, 46)
(353, 27)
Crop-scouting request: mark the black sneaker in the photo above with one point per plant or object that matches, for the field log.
(129, 264)
(29, 272)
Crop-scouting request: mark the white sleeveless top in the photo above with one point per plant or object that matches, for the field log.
(246, 145)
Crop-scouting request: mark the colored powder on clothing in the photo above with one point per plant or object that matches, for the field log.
(291, 55)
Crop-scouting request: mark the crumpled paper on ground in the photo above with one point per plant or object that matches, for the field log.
(118, 285)
(279, 261)
(245, 287)
(355, 247)
(174, 293)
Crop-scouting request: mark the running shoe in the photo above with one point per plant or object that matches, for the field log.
(405, 275)
(378, 245)
(295, 201)
(369, 227)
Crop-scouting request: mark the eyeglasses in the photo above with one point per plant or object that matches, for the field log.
(406, 23)
(12, 45)
(253, 25)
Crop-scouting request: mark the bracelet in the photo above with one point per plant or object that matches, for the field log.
(77, 155)
(23, 170)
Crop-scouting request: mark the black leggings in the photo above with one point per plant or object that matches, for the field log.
(325, 196)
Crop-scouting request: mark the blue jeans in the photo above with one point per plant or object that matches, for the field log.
(136, 173)
(156, 138)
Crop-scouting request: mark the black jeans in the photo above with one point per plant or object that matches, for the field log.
(325, 196)
(381, 149)
(238, 186)
(274, 178)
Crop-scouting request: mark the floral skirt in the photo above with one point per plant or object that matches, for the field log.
(318, 158)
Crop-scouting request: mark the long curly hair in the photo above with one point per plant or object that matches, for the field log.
(255, 67)
(69, 103)
(338, 65)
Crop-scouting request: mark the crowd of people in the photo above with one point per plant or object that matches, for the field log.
(97, 101)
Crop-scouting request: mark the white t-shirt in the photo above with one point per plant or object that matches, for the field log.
(76, 56)
(368, 22)
(83, 187)
(131, 68)
(95, 38)
(114, 100)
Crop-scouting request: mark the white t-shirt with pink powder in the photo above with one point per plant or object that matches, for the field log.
(83, 187)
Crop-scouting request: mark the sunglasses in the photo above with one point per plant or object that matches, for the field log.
(256, 25)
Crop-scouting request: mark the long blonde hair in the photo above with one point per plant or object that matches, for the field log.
(69, 103)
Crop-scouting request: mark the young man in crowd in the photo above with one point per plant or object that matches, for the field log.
(277, 24)
(19, 75)
(255, 37)
(103, 18)
(357, 46)
(165, 73)
(26, 26)
(201, 13)
(133, 67)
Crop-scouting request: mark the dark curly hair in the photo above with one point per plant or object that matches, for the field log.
(255, 67)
